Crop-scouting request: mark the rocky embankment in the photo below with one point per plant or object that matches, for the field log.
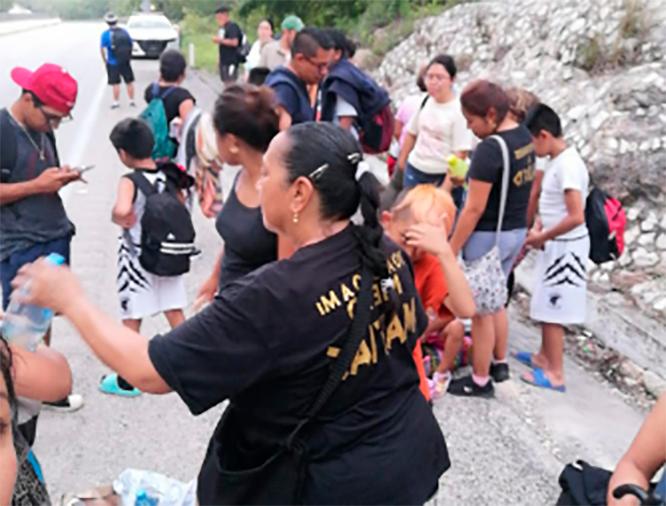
(602, 65)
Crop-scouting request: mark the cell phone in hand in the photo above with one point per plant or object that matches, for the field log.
(83, 168)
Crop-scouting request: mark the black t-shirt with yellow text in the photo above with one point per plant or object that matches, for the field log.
(487, 166)
(267, 343)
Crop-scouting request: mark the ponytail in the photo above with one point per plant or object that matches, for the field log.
(371, 232)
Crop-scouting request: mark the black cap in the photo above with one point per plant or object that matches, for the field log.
(222, 9)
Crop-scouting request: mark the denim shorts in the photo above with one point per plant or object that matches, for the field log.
(510, 244)
(414, 177)
(11, 265)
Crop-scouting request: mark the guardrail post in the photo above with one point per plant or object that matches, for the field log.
(191, 54)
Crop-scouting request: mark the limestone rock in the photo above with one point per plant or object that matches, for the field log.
(646, 239)
(644, 258)
(661, 242)
(654, 383)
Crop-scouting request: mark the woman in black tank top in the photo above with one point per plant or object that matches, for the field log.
(245, 122)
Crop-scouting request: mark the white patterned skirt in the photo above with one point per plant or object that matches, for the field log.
(560, 290)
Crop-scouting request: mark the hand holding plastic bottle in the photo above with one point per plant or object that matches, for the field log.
(50, 286)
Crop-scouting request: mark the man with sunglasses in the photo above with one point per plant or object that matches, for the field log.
(311, 54)
(33, 221)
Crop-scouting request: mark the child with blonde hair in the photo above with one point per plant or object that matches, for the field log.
(419, 222)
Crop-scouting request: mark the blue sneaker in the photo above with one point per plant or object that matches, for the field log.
(109, 385)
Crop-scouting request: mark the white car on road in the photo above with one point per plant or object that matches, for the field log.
(152, 34)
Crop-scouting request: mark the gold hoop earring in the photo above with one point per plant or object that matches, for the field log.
(295, 218)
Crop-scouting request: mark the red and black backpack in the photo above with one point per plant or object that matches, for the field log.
(606, 220)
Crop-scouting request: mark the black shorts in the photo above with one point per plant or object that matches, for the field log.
(116, 71)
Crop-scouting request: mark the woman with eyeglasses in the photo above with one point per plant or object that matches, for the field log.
(436, 131)
(269, 341)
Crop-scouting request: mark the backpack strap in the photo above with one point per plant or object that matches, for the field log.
(167, 92)
(142, 183)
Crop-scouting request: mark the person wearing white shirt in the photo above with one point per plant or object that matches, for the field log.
(264, 36)
(563, 242)
(436, 131)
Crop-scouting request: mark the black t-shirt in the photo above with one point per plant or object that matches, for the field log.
(228, 54)
(247, 243)
(487, 166)
(171, 101)
(267, 342)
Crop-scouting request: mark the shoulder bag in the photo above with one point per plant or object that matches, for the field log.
(485, 275)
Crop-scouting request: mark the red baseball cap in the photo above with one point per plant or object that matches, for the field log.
(52, 84)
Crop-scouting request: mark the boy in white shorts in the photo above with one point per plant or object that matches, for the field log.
(564, 243)
(140, 293)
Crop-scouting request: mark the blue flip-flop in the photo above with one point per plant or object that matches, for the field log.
(109, 385)
(524, 357)
(541, 381)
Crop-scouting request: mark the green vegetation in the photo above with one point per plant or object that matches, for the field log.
(376, 24)
(594, 55)
(198, 30)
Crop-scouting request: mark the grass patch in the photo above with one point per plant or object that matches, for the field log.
(198, 31)
(595, 56)
(380, 30)
(205, 52)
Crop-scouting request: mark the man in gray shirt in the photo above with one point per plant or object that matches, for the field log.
(33, 222)
(278, 52)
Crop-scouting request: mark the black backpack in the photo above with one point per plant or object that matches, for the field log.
(167, 233)
(244, 48)
(121, 45)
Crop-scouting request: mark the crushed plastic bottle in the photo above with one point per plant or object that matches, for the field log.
(147, 488)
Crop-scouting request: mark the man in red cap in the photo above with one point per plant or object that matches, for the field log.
(33, 221)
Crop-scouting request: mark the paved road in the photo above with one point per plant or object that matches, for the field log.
(504, 451)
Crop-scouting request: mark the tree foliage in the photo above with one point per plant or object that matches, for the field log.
(341, 13)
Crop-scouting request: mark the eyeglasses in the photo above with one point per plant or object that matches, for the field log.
(320, 66)
(54, 119)
(436, 77)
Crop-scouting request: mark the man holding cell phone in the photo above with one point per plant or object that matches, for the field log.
(33, 221)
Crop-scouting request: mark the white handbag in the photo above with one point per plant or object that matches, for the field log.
(484, 275)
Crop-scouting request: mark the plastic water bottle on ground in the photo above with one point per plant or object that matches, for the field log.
(26, 324)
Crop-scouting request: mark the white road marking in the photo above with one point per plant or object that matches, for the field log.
(86, 128)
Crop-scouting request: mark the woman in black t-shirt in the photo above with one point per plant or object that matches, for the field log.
(485, 106)
(268, 341)
(245, 121)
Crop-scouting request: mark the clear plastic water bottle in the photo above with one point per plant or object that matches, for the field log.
(26, 324)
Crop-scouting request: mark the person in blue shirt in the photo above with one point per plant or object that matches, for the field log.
(116, 48)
